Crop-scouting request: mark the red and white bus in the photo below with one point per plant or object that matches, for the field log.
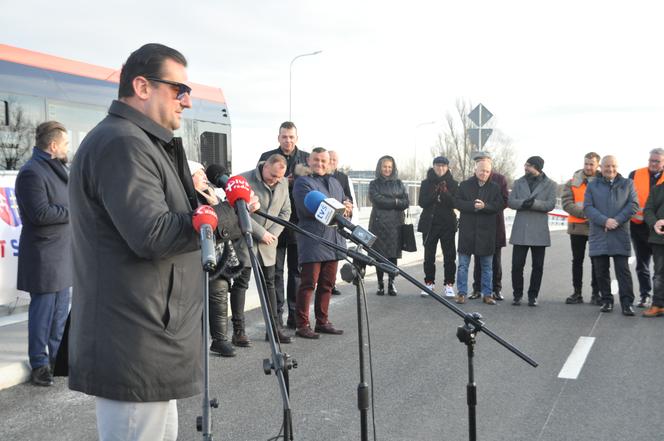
(36, 87)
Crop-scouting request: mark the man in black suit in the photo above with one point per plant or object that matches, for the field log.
(44, 259)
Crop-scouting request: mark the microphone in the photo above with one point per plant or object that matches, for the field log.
(217, 175)
(205, 221)
(238, 193)
(329, 211)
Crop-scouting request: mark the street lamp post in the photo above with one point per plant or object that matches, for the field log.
(426, 123)
(290, 80)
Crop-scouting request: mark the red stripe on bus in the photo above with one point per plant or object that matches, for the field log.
(64, 65)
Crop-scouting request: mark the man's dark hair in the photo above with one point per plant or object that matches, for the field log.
(318, 150)
(287, 125)
(146, 62)
(592, 155)
(48, 132)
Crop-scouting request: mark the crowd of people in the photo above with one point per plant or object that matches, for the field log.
(117, 226)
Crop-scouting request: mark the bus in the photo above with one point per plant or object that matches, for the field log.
(37, 87)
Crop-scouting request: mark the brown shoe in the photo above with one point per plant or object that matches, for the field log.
(240, 339)
(328, 328)
(306, 332)
(460, 299)
(654, 311)
(488, 300)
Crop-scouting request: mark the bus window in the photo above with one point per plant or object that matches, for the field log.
(78, 119)
(214, 149)
(4, 114)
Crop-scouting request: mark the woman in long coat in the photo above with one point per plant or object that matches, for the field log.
(389, 199)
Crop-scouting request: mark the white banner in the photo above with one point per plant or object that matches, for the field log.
(10, 231)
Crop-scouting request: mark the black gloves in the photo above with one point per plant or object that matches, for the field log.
(528, 203)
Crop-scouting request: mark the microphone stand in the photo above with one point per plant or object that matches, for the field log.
(467, 333)
(204, 422)
(362, 388)
(360, 260)
(280, 362)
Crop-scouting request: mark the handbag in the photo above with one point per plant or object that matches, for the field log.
(408, 235)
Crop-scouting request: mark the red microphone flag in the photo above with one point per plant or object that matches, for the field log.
(237, 188)
(204, 215)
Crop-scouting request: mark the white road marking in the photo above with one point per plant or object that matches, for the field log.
(577, 358)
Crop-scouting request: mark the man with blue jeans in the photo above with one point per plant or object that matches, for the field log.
(479, 200)
(44, 258)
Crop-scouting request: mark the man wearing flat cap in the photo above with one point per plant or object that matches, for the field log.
(532, 196)
(438, 223)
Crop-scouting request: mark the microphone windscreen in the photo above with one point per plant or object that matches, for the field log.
(214, 172)
(238, 188)
(204, 215)
(312, 200)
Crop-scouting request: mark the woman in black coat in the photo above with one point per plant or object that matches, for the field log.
(389, 199)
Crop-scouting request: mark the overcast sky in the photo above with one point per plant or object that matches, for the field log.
(561, 78)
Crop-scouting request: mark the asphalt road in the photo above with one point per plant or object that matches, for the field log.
(420, 375)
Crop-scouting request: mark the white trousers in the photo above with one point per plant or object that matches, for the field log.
(131, 421)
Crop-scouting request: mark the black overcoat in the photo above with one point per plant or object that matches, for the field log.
(389, 199)
(477, 228)
(44, 256)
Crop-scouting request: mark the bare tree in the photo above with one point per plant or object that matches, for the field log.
(15, 139)
(454, 143)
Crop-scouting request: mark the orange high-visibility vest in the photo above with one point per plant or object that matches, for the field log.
(578, 193)
(642, 187)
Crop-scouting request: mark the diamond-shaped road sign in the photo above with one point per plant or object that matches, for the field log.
(474, 135)
(480, 115)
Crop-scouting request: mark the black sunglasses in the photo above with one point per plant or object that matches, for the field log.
(183, 89)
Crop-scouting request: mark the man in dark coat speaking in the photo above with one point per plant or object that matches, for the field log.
(136, 331)
(478, 199)
(44, 258)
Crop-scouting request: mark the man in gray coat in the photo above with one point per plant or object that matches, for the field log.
(44, 258)
(268, 182)
(609, 204)
(136, 331)
(532, 196)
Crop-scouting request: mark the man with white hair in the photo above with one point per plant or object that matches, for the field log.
(609, 203)
(478, 199)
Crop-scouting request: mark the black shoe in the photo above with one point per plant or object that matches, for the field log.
(596, 299)
(643, 303)
(391, 289)
(574, 299)
(223, 348)
(516, 301)
(42, 376)
(475, 295)
(335, 291)
(498, 296)
(381, 289)
(532, 302)
(607, 307)
(628, 310)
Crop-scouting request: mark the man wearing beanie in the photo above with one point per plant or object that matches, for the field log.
(438, 223)
(532, 196)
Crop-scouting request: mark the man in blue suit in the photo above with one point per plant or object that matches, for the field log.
(44, 259)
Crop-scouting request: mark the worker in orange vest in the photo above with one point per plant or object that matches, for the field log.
(644, 179)
(577, 226)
